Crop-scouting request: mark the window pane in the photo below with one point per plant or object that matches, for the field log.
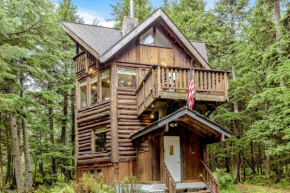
(147, 38)
(94, 89)
(127, 77)
(100, 140)
(105, 79)
(161, 40)
(83, 93)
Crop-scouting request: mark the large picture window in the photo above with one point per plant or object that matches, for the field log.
(94, 89)
(127, 77)
(99, 140)
(155, 38)
(105, 80)
(83, 94)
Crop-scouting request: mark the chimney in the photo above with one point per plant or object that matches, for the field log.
(129, 22)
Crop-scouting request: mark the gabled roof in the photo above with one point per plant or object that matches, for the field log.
(98, 38)
(181, 115)
(103, 42)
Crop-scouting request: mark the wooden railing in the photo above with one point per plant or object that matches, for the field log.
(84, 60)
(210, 83)
(209, 179)
(146, 88)
(168, 179)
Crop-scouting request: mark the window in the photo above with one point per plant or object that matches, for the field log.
(105, 80)
(143, 146)
(161, 40)
(94, 89)
(127, 77)
(147, 38)
(99, 144)
(83, 93)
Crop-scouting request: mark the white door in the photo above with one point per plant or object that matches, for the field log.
(172, 156)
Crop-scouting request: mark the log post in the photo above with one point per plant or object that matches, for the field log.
(114, 115)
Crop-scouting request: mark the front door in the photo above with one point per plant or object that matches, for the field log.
(172, 156)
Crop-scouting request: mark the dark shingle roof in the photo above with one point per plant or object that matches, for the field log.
(98, 38)
(201, 48)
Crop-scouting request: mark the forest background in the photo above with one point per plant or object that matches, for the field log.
(37, 91)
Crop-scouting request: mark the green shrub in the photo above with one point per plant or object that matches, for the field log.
(88, 184)
(226, 180)
(129, 185)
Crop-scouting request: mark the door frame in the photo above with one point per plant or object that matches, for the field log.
(181, 153)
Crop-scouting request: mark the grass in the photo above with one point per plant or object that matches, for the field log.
(248, 188)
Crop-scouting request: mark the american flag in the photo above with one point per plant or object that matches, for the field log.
(191, 92)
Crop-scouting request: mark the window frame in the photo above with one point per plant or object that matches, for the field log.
(101, 87)
(154, 38)
(136, 77)
(90, 89)
(93, 139)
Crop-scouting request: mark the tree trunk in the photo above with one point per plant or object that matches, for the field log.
(237, 160)
(26, 144)
(16, 152)
(277, 18)
(9, 158)
(51, 126)
(1, 163)
(72, 99)
(64, 119)
(268, 159)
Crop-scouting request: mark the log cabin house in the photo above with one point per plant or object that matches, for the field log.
(131, 91)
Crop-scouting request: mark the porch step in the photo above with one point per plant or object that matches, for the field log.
(191, 187)
(181, 187)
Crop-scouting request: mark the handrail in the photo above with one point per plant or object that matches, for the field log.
(81, 53)
(210, 180)
(144, 79)
(169, 180)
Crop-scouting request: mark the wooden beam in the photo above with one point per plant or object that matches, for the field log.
(114, 115)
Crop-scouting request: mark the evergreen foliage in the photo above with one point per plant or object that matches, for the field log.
(37, 85)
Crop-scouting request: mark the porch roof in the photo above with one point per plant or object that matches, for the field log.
(188, 118)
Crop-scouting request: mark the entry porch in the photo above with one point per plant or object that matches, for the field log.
(171, 153)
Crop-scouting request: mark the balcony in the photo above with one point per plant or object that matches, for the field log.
(83, 61)
(172, 83)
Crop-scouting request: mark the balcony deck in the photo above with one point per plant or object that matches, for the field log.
(172, 83)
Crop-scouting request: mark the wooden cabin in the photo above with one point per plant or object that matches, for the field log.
(131, 91)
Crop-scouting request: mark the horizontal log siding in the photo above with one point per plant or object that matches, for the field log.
(87, 120)
(128, 122)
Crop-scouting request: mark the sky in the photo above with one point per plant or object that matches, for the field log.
(101, 9)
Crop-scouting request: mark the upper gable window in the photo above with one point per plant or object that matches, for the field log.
(148, 38)
(161, 40)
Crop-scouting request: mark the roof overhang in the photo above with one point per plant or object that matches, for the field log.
(159, 13)
(187, 118)
(79, 40)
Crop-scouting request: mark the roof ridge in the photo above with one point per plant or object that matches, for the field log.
(91, 25)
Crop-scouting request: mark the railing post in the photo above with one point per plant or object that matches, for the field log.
(158, 82)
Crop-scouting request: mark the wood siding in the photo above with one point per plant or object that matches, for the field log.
(134, 52)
